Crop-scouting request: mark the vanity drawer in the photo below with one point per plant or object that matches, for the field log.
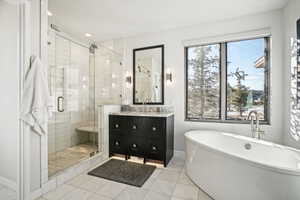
(117, 124)
(117, 145)
(135, 125)
(155, 149)
(135, 146)
(155, 127)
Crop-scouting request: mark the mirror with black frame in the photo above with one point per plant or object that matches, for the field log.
(297, 73)
(148, 75)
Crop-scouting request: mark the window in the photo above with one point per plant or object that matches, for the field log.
(226, 81)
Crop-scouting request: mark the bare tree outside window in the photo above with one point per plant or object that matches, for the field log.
(246, 66)
(203, 93)
(242, 65)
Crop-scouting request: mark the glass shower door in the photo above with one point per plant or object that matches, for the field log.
(59, 138)
(69, 140)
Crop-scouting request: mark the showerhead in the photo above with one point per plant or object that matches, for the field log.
(55, 27)
(93, 47)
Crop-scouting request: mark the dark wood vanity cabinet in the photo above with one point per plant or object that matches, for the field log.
(147, 137)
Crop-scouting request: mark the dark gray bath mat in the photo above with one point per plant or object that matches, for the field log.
(124, 172)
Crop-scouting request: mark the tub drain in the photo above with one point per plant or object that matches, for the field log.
(248, 146)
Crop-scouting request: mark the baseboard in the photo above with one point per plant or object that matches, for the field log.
(8, 183)
(179, 153)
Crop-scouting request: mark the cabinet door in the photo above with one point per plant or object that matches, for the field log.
(117, 125)
(154, 127)
(136, 146)
(135, 126)
(117, 145)
(155, 149)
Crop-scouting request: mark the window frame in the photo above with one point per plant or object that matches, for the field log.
(223, 82)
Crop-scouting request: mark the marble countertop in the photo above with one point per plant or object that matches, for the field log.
(144, 114)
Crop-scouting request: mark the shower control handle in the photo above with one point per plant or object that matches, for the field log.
(60, 104)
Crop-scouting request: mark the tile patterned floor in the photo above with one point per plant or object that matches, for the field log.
(68, 157)
(169, 183)
(7, 194)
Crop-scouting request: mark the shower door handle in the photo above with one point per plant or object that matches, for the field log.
(60, 104)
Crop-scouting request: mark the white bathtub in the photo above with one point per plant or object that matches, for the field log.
(220, 164)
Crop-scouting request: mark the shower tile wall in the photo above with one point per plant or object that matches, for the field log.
(108, 68)
(92, 102)
(69, 74)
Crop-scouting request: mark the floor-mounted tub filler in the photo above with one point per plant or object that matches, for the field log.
(233, 167)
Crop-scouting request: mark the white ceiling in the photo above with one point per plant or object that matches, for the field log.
(108, 19)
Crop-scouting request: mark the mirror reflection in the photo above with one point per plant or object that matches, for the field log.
(148, 75)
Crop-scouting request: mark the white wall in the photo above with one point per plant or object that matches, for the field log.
(35, 139)
(9, 89)
(291, 14)
(174, 59)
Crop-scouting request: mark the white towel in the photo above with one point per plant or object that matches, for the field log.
(36, 99)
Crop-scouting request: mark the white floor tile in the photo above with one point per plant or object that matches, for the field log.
(111, 189)
(79, 180)
(184, 179)
(163, 187)
(175, 198)
(77, 194)
(132, 193)
(98, 197)
(157, 196)
(94, 185)
(176, 165)
(59, 192)
(156, 172)
(186, 192)
(148, 184)
(41, 198)
(168, 175)
(164, 184)
(203, 196)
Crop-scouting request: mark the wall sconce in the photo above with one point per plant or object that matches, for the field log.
(169, 76)
(128, 79)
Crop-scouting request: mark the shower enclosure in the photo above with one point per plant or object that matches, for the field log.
(80, 78)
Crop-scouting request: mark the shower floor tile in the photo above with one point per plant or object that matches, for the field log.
(68, 157)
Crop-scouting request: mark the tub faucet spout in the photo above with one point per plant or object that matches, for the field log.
(256, 131)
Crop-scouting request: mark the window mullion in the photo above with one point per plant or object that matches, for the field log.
(223, 80)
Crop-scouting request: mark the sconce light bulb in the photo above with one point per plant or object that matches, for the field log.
(88, 35)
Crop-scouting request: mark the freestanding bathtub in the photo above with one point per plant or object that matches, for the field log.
(231, 167)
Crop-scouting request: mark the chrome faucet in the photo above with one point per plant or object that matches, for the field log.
(144, 103)
(255, 131)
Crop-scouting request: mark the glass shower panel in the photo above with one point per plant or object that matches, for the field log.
(108, 88)
(59, 128)
(70, 138)
(82, 122)
(78, 81)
